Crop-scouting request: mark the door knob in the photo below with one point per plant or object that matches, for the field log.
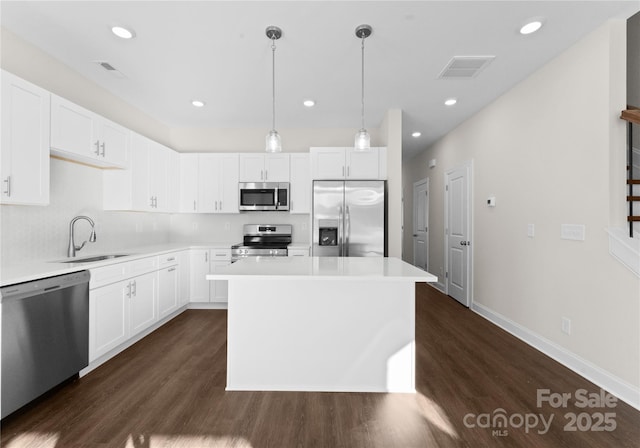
(415, 235)
(463, 243)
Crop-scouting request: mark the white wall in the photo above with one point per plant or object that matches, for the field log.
(547, 149)
(391, 131)
(633, 58)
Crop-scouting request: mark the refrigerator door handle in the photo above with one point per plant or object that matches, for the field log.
(347, 231)
(340, 228)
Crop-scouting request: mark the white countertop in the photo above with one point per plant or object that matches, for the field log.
(336, 268)
(12, 273)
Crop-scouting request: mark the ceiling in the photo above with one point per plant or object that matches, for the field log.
(217, 51)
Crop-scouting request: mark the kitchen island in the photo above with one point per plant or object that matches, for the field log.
(321, 324)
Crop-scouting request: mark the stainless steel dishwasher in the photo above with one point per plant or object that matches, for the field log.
(45, 336)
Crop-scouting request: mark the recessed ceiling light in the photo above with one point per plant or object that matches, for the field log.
(450, 102)
(416, 134)
(531, 27)
(198, 103)
(309, 103)
(123, 32)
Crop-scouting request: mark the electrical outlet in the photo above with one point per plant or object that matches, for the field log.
(566, 325)
(574, 232)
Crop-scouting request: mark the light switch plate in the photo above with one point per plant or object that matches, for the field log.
(531, 230)
(574, 232)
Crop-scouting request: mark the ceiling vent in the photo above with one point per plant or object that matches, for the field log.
(111, 69)
(465, 67)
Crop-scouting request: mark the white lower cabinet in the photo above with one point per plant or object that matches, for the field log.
(204, 262)
(184, 277)
(127, 298)
(142, 302)
(199, 268)
(298, 252)
(219, 289)
(168, 291)
(108, 318)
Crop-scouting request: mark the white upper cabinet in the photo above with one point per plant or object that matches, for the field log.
(300, 189)
(82, 135)
(150, 182)
(347, 163)
(189, 183)
(24, 150)
(264, 168)
(218, 183)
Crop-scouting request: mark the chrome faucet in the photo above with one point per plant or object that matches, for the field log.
(71, 252)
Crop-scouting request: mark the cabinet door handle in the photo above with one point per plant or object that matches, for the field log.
(266, 174)
(216, 205)
(194, 206)
(261, 174)
(171, 259)
(221, 255)
(220, 205)
(8, 190)
(97, 143)
(343, 171)
(129, 290)
(151, 202)
(134, 289)
(206, 257)
(348, 171)
(103, 146)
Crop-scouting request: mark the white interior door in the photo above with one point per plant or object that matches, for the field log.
(421, 224)
(458, 230)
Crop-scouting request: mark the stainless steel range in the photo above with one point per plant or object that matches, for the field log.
(266, 240)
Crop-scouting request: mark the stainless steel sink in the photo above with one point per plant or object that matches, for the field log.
(91, 259)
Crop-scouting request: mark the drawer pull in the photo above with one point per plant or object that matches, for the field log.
(171, 269)
(171, 259)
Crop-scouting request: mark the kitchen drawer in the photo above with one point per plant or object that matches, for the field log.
(107, 274)
(121, 271)
(220, 254)
(298, 252)
(142, 266)
(166, 260)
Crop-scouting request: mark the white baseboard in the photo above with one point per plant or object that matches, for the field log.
(626, 392)
(207, 305)
(439, 286)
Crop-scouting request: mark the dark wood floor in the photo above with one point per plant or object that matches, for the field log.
(168, 391)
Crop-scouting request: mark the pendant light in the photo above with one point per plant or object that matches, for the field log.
(273, 142)
(363, 139)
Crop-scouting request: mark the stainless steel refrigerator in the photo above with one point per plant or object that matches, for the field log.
(349, 218)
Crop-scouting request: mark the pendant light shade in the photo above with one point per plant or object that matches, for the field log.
(363, 139)
(273, 142)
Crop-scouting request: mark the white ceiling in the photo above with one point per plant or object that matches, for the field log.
(217, 51)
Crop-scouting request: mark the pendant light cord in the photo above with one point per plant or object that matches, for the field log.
(363, 38)
(273, 79)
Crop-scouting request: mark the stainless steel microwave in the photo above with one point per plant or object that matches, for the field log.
(264, 196)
